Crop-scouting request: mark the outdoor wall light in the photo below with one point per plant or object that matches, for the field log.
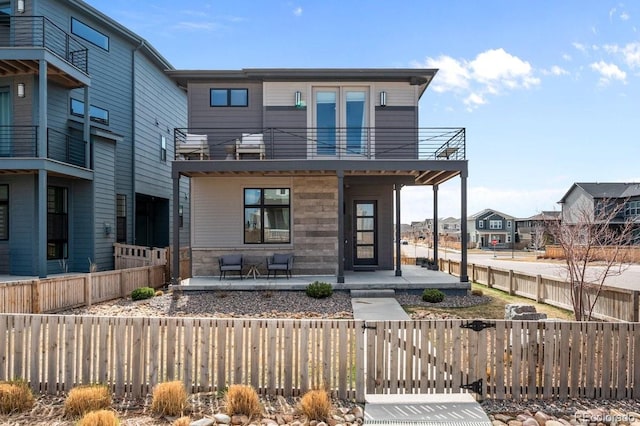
(298, 98)
(20, 7)
(21, 92)
(383, 99)
(107, 229)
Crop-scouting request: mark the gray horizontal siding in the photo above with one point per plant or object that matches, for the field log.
(293, 137)
(400, 117)
(22, 224)
(105, 203)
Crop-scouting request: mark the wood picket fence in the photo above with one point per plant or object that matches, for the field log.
(506, 360)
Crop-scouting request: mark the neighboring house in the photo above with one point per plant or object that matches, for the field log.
(490, 227)
(535, 231)
(309, 162)
(449, 228)
(588, 197)
(86, 120)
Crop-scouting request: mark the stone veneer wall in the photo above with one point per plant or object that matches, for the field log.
(315, 225)
(315, 233)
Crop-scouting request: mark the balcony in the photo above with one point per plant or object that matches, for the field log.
(24, 32)
(365, 143)
(21, 142)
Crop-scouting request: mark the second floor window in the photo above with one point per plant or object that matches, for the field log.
(267, 213)
(92, 35)
(121, 218)
(99, 115)
(163, 148)
(632, 208)
(495, 224)
(229, 97)
(481, 224)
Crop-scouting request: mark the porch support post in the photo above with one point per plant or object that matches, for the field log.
(464, 277)
(341, 237)
(398, 226)
(175, 249)
(42, 173)
(435, 223)
(42, 223)
(86, 134)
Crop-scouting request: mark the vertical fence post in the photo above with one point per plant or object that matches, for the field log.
(360, 361)
(88, 284)
(489, 281)
(511, 291)
(473, 272)
(123, 287)
(635, 306)
(35, 297)
(538, 288)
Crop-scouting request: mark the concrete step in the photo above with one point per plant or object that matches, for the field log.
(373, 292)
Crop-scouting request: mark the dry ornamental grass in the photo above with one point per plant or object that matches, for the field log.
(316, 405)
(15, 396)
(169, 398)
(86, 398)
(99, 418)
(242, 399)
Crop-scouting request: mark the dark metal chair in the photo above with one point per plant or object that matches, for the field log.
(230, 262)
(280, 262)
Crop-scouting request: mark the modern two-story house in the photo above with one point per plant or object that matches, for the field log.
(591, 198)
(87, 114)
(491, 228)
(310, 162)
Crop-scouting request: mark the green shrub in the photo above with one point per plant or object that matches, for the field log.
(142, 293)
(432, 295)
(319, 290)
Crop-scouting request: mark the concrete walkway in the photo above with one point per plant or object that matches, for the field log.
(410, 409)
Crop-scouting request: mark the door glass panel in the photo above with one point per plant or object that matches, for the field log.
(365, 233)
(365, 224)
(355, 121)
(326, 122)
(364, 252)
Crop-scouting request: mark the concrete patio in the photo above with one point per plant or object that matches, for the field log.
(414, 278)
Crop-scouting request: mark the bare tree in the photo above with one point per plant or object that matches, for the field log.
(595, 239)
(538, 236)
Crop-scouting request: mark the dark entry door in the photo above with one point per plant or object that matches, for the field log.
(365, 238)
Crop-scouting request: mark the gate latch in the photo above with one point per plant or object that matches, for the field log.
(370, 327)
(477, 325)
(475, 387)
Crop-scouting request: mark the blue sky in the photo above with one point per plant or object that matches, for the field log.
(548, 91)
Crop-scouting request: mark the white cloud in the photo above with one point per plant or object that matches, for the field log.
(608, 72)
(196, 26)
(566, 57)
(579, 46)
(555, 70)
(297, 11)
(492, 72)
(625, 16)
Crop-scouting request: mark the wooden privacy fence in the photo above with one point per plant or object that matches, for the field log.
(628, 253)
(70, 291)
(613, 304)
(507, 360)
(130, 256)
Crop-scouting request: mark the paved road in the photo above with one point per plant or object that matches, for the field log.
(524, 262)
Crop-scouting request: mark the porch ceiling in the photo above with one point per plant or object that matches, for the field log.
(418, 172)
(22, 67)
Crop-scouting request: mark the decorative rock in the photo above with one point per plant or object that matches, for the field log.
(541, 417)
(552, 422)
(239, 419)
(504, 418)
(222, 419)
(514, 423)
(530, 422)
(522, 417)
(202, 422)
(313, 423)
(516, 311)
(359, 412)
(296, 423)
(497, 423)
(321, 424)
(269, 422)
(349, 418)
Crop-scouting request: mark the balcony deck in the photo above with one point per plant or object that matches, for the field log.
(23, 42)
(425, 156)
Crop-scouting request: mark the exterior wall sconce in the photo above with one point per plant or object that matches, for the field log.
(21, 92)
(107, 229)
(383, 99)
(298, 99)
(20, 7)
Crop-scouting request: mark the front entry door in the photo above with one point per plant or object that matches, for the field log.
(365, 238)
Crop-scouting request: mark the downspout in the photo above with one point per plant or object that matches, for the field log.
(133, 137)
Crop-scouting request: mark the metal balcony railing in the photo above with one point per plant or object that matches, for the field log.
(39, 31)
(277, 143)
(22, 142)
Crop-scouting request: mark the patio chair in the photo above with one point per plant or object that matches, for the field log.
(280, 262)
(230, 262)
(251, 143)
